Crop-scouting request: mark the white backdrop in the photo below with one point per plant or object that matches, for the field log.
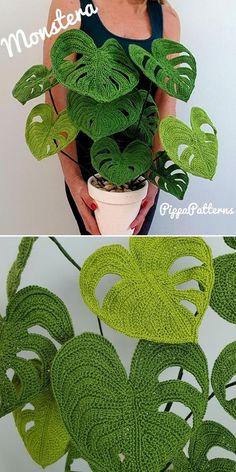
(32, 199)
(48, 267)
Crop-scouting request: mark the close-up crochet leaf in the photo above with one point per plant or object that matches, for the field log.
(230, 241)
(99, 120)
(168, 176)
(193, 149)
(40, 426)
(72, 455)
(46, 135)
(31, 307)
(115, 421)
(223, 372)
(223, 297)
(148, 301)
(148, 121)
(104, 73)
(14, 275)
(36, 81)
(209, 435)
(120, 167)
(170, 66)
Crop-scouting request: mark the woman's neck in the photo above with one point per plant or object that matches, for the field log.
(140, 6)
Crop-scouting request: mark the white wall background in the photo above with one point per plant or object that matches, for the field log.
(32, 199)
(61, 277)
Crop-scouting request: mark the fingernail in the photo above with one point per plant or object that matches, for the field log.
(93, 206)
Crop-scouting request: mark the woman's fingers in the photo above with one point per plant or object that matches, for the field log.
(88, 219)
(89, 201)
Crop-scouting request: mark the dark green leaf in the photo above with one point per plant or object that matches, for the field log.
(171, 179)
(146, 127)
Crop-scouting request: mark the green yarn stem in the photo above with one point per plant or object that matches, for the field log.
(72, 261)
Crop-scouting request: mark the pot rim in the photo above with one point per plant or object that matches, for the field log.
(117, 198)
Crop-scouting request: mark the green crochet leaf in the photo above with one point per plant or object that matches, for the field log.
(223, 297)
(171, 179)
(115, 421)
(120, 167)
(14, 275)
(175, 75)
(223, 371)
(30, 307)
(199, 156)
(99, 120)
(71, 456)
(41, 427)
(104, 73)
(36, 81)
(146, 126)
(230, 241)
(46, 135)
(207, 436)
(147, 302)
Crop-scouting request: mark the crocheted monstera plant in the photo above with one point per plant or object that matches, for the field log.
(105, 103)
(80, 401)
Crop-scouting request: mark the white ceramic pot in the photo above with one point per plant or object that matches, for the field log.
(116, 210)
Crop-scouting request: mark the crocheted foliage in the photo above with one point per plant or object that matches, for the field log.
(46, 135)
(14, 275)
(30, 307)
(36, 81)
(116, 422)
(223, 371)
(230, 241)
(72, 455)
(168, 176)
(147, 303)
(175, 75)
(120, 167)
(207, 436)
(104, 73)
(199, 156)
(223, 297)
(99, 120)
(148, 121)
(41, 427)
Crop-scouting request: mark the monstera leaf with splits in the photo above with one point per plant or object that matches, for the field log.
(36, 81)
(104, 73)
(148, 301)
(46, 135)
(223, 298)
(224, 371)
(99, 120)
(31, 307)
(207, 436)
(168, 176)
(120, 167)
(146, 126)
(199, 156)
(170, 66)
(115, 422)
(40, 426)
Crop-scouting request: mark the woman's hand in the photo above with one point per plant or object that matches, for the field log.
(85, 204)
(147, 203)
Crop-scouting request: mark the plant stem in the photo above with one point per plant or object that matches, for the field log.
(72, 261)
(53, 101)
(144, 105)
(212, 395)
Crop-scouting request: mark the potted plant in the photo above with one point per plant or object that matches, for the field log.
(77, 398)
(104, 102)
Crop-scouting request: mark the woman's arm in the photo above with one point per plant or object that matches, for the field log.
(72, 173)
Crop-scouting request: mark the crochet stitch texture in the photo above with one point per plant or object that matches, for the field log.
(147, 302)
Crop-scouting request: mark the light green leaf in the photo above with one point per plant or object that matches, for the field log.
(115, 421)
(41, 428)
(223, 371)
(14, 275)
(104, 73)
(170, 65)
(120, 167)
(199, 156)
(147, 302)
(46, 135)
(230, 241)
(223, 297)
(171, 179)
(99, 120)
(147, 124)
(36, 81)
(30, 307)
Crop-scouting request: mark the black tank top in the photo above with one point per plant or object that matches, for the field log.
(94, 27)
